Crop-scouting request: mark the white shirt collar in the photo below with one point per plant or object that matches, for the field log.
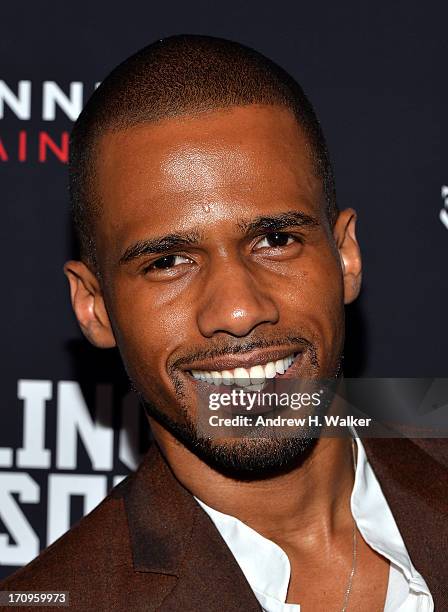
(267, 567)
(264, 564)
(376, 523)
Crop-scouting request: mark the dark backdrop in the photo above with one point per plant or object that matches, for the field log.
(376, 73)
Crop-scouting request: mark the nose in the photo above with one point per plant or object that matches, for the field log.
(234, 302)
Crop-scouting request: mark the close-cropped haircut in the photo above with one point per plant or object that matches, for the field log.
(183, 75)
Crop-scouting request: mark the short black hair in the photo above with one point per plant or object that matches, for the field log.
(183, 75)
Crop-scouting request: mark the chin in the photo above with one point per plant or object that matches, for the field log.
(257, 456)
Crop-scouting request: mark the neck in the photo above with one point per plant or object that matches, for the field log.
(310, 501)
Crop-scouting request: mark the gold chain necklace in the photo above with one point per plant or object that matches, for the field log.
(354, 556)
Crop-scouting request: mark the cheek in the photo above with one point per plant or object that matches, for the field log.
(313, 299)
(149, 324)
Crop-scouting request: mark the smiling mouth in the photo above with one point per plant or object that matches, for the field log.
(252, 378)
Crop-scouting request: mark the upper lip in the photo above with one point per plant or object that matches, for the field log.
(242, 360)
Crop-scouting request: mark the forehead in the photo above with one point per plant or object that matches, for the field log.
(241, 161)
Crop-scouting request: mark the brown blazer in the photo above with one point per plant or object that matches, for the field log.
(150, 546)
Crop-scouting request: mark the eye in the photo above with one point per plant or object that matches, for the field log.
(275, 240)
(167, 262)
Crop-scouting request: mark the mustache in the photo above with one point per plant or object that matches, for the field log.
(237, 346)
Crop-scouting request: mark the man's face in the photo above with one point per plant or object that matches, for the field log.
(216, 253)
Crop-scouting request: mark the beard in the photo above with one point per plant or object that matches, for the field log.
(259, 454)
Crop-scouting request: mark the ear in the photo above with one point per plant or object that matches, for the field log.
(349, 253)
(88, 304)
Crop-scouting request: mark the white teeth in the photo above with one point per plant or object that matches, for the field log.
(279, 367)
(227, 377)
(217, 378)
(256, 375)
(269, 369)
(242, 376)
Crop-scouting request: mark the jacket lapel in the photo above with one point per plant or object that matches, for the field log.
(414, 478)
(170, 534)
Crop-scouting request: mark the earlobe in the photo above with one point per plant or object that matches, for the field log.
(349, 253)
(88, 304)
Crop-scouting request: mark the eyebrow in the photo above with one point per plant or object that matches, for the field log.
(161, 245)
(273, 223)
(180, 240)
